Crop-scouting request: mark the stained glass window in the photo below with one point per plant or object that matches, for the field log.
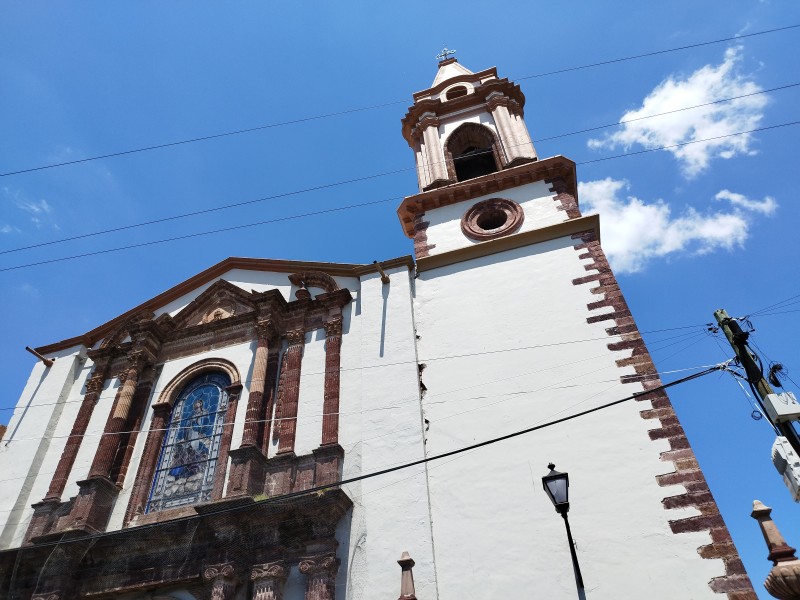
(185, 472)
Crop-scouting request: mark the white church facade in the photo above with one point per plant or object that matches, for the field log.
(168, 452)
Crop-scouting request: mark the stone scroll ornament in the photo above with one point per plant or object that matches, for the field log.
(320, 572)
(222, 579)
(268, 580)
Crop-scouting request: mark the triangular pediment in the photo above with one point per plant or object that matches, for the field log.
(222, 300)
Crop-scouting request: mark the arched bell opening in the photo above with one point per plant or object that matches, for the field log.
(472, 150)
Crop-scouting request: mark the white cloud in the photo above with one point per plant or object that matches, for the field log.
(707, 84)
(767, 206)
(9, 229)
(35, 208)
(636, 232)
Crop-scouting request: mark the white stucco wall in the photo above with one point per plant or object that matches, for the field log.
(380, 426)
(444, 230)
(495, 530)
(35, 438)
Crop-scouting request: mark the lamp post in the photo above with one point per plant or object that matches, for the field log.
(557, 487)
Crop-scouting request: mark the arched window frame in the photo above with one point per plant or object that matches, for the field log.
(461, 135)
(162, 410)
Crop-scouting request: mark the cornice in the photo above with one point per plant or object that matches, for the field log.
(445, 108)
(527, 238)
(466, 77)
(493, 183)
(356, 271)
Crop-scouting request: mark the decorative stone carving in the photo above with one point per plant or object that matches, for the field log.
(276, 570)
(320, 572)
(318, 279)
(48, 596)
(269, 580)
(223, 580)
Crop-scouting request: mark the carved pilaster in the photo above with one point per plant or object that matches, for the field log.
(320, 572)
(266, 334)
(120, 411)
(291, 390)
(269, 580)
(147, 465)
(330, 407)
(222, 579)
(93, 389)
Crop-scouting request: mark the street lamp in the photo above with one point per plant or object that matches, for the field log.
(557, 487)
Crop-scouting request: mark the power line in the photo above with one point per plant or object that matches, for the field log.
(381, 105)
(351, 206)
(407, 465)
(657, 52)
(359, 179)
(683, 336)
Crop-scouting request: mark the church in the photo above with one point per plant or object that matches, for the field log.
(273, 429)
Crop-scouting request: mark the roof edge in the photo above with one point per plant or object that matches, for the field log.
(89, 338)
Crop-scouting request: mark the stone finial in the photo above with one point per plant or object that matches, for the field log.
(407, 577)
(783, 581)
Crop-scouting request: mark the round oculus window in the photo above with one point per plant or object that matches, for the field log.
(492, 218)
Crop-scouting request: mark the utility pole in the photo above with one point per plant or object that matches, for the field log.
(755, 375)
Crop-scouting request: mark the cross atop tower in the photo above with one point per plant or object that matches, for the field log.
(445, 54)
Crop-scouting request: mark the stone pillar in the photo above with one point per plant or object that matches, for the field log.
(516, 150)
(330, 407)
(429, 124)
(407, 591)
(147, 465)
(291, 391)
(233, 391)
(269, 580)
(94, 388)
(222, 579)
(120, 411)
(254, 420)
(783, 581)
(320, 572)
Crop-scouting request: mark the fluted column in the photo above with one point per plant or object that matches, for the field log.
(517, 150)
(330, 408)
(434, 154)
(94, 388)
(222, 579)
(320, 572)
(291, 391)
(254, 419)
(109, 443)
(269, 580)
(147, 465)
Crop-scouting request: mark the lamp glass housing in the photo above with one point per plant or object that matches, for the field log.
(556, 485)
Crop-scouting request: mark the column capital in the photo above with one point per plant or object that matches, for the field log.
(326, 564)
(296, 337)
(334, 326)
(266, 330)
(95, 384)
(212, 572)
(428, 119)
(271, 570)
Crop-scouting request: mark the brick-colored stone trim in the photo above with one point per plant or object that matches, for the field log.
(564, 196)
(735, 582)
(421, 245)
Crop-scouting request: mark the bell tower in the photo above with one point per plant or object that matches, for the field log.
(479, 175)
(466, 125)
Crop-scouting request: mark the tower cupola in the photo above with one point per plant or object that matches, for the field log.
(466, 125)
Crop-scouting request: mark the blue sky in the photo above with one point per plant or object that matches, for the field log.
(688, 231)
